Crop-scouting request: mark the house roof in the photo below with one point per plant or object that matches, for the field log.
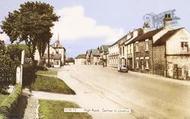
(81, 56)
(95, 52)
(124, 38)
(115, 42)
(88, 51)
(57, 44)
(103, 48)
(166, 36)
(131, 33)
(146, 35)
(140, 32)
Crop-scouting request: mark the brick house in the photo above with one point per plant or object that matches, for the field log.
(143, 51)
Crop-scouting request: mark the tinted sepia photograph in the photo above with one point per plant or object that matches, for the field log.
(94, 59)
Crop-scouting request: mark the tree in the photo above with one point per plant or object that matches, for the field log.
(14, 51)
(32, 24)
(43, 43)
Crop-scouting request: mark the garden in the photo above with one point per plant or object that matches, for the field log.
(29, 29)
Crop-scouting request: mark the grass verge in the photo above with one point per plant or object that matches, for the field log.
(49, 72)
(8, 105)
(51, 84)
(50, 109)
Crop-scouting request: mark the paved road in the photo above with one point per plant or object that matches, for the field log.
(149, 97)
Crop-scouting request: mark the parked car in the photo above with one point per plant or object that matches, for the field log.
(70, 60)
(122, 65)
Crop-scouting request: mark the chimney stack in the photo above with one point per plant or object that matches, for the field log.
(167, 21)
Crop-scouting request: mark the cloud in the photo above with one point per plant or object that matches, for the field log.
(75, 25)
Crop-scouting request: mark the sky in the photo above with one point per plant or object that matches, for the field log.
(87, 24)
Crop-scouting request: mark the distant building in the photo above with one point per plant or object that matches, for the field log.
(88, 59)
(113, 55)
(95, 56)
(92, 56)
(57, 55)
(103, 50)
(80, 59)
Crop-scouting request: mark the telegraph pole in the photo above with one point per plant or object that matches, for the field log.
(48, 54)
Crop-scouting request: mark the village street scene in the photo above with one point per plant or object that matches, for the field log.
(78, 59)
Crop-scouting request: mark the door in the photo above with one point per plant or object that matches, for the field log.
(130, 63)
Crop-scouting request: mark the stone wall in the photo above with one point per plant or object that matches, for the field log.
(178, 67)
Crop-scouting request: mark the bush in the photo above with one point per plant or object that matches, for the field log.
(9, 104)
(28, 75)
(7, 68)
(7, 71)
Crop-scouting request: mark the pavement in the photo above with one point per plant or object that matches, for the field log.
(147, 96)
(31, 111)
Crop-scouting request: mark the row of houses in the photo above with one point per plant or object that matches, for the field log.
(162, 51)
(96, 56)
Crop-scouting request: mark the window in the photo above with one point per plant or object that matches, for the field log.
(123, 51)
(136, 47)
(147, 64)
(184, 46)
(120, 50)
(146, 45)
(129, 51)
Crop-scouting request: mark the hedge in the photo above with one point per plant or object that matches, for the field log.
(9, 104)
(28, 75)
(7, 72)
